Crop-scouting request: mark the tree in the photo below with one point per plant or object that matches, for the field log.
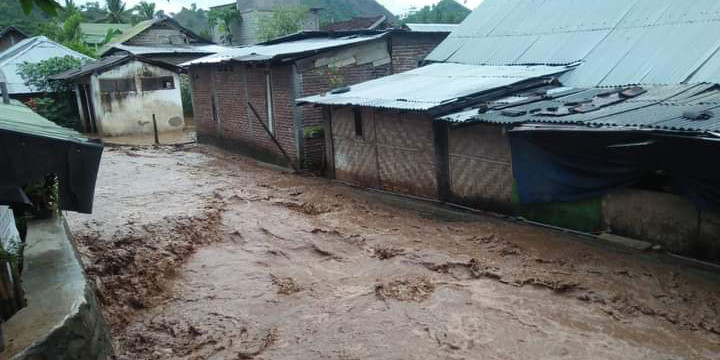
(56, 103)
(194, 19)
(224, 19)
(444, 12)
(145, 10)
(50, 7)
(283, 21)
(115, 12)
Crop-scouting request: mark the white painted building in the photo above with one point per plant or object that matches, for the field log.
(120, 94)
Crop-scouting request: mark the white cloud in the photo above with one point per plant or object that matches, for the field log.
(395, 6)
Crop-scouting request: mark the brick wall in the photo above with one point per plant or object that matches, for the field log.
(395, 151)
(317, 81)
(237, 128)
(409, 49)
(480, 167)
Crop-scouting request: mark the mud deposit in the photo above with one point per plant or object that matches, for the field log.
(200, 255)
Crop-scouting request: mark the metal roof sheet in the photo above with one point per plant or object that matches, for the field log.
(19, 118)
(107, 63)
(136, 30)
(619, 42)
(433, 85)
(287, 49)
(96, 33)
(432, 27)
(660, 107)
(32, 50)
(170, 49)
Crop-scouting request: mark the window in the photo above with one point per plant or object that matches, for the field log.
(117, 85)
(357, 114)
(157, 83)
(269, 102)
(214, 109)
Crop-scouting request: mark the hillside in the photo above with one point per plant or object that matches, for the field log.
(444, 12)
(341, 10)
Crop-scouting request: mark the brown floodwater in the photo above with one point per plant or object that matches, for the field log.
(197, 254)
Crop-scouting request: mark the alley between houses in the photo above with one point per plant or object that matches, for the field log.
(197, 254)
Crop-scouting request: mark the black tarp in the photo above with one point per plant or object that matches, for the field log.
(557, 164)
(27, 157)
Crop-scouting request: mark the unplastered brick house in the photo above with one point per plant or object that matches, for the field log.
(244, 99)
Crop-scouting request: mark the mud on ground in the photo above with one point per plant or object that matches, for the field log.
(201, 255)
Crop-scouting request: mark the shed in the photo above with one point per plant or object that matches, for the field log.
(638, 69)
(32, 50)
(122, 94)
(10, 36)
(161, 39)
(269, 78)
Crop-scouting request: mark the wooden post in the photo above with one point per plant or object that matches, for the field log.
(259, 119)
(5, 94)
(157, 139)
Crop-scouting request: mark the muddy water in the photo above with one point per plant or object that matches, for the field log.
(199, 255)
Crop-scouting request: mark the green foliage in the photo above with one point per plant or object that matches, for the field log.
(44, 194)
(224, 18)
(341, 10)
(50, 7)
(314, 132)
(36, 75)
(57, 104)
(284, 20)
(444, 12)
(145, 10)
(186, 94)
(194, 19)
(115, 12)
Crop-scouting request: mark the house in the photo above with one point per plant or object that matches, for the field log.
(160, 39)
(31, 50)
(432, 28)
(125, 95)
(10, 36)
(550, 111)
(95, 34)
(244, 98)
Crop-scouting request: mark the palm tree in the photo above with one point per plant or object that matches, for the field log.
(145, 10)
(115, 12)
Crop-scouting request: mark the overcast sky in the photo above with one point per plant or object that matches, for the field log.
(395, 6)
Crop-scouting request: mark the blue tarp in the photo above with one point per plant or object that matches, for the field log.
(558, 165)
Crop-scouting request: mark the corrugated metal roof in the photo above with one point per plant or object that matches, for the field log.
(19, 118)
(144, 25)
(32, 50)
(433, 85)
(432, 27)
(95, 33)
(107, 63)
(284, 49)
(170, 49)
(660, 107)
(619, 42)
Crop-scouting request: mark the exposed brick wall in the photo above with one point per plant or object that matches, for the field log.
(409, 49)
(394, 153)
(237, 128)
(317, 81)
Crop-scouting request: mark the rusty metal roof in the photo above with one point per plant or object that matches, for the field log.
(619, 42)
(288, 49)
(694, 108)
(433, 85)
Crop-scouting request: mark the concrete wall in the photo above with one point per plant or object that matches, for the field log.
(394, 153)
(127, 113)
